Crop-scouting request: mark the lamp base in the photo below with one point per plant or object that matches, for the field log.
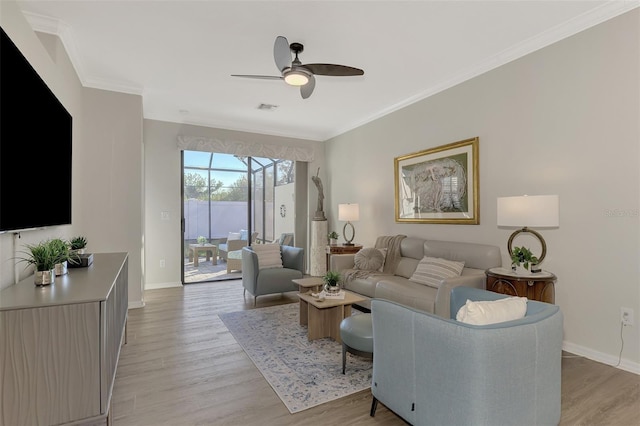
(348, 241)
(534, 233)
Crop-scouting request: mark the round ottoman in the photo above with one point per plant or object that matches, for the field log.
(356, 333)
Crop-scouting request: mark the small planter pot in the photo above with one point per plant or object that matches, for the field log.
(42, 278)
(61, 268)
(521, 270)
(331, 289)
(333, 241)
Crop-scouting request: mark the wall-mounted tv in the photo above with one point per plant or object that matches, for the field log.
(35, 147)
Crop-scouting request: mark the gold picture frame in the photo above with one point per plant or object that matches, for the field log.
(439, 185)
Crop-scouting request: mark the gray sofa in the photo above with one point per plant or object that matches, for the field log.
(500, 374)
(398, 288)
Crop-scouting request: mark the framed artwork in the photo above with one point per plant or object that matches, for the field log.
(439, 185)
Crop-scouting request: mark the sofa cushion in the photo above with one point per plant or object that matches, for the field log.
(432, 270)
(492, 311)
(269, 255)
(407, 293)
(244, 235)
(369, 259)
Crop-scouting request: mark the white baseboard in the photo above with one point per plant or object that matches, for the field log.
(155, 286)
(135, 305)
(611, 360)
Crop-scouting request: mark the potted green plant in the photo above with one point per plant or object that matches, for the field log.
(201, 240)
(60, 249)
(333, 237)
(331, 282)
(522, 260)
(44, 257)
(78, 244)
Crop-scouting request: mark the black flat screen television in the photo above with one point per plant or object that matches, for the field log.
(35, 147)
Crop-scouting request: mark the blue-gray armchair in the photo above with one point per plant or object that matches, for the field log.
(435, 371)
(259, 282)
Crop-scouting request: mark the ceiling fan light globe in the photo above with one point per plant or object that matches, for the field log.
(296, 78)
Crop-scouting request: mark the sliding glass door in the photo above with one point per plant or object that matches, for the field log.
(231, 201)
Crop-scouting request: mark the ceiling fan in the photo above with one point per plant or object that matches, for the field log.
(295, 73)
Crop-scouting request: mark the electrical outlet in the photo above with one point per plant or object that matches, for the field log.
(626, 316)
(162, 263)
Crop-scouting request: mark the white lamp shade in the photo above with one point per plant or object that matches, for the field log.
(349, 212)
(529, 211)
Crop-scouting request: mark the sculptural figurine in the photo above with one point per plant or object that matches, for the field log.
(319, 209)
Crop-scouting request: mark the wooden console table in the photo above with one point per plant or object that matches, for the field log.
(341, 249)
(60, 344)
(539, 286)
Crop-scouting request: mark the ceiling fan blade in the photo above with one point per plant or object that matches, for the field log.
(261, 77)
(307, 89)
(282, 53)
(334, 70)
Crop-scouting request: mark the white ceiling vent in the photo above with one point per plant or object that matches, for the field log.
(267, 107)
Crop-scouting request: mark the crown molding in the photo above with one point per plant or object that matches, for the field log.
(63, 31)
(593, 17)
(48, 25)
(567, 29)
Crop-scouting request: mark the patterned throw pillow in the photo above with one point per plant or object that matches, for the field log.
(368, 259)
(268, 255)
(432, 270)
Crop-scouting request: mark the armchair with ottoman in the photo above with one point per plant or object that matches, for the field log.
(270, 268)
(431, 370)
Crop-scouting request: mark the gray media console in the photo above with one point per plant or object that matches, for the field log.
(59, 345)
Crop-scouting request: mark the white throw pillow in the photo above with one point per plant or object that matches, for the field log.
(233, 236)
(494, 311)
(269, 255)
(432, 270)
(368, 259)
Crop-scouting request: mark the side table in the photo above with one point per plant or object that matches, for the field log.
(341, 249)
(539, 286)
(211, 251)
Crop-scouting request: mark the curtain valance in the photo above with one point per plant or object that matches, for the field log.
(246, 148)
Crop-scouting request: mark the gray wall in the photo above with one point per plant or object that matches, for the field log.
(107, 159)
(563, 120)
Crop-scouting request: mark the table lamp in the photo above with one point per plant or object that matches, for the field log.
(529, 211)
(350, 213)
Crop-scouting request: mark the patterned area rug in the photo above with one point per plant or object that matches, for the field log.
(303, 373)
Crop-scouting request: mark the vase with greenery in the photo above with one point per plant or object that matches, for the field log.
(331, 282)
(201, 240)
(60, 249)
(44, 257)
(78, 244)
(333, 237)
(522, 260)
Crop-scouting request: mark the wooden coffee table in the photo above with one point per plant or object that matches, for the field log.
(323, 318)
(211, 251)
(309, 284)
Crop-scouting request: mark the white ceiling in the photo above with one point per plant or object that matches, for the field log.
(179, 55)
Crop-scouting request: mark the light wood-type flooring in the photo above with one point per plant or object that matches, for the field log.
(181, 366)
